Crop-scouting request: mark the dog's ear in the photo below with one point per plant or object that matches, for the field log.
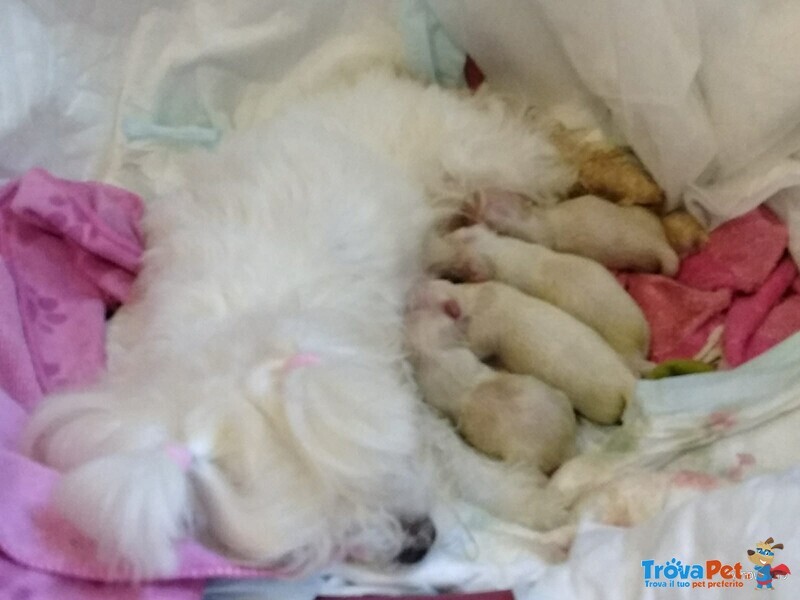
(769, 540)
(778, 546)
(750, 552)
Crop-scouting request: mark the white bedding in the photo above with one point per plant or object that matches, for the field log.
(671, 463)
(92, 89)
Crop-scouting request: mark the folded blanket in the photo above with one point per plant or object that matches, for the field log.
(739, 280)
(69, 252)
(680, 317)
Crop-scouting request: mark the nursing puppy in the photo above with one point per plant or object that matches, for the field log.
(529, 336)
(257, 394)
(620, 237)
(578, 286)
(516, 418)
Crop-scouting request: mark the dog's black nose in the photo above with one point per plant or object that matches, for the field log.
(420, 535)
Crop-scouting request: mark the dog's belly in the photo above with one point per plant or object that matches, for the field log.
(293, 218)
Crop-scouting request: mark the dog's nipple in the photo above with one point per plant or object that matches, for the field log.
(452, 309)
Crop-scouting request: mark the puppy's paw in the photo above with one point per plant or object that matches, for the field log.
(527, 499)
(685, 233)
(497, 207)
(670, 262)
(556, 543)
(431, 329)
(434, 294)
(433, 305)
(458, 256)
(546, 511)
(472, 210)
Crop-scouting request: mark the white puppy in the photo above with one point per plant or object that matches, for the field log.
(620, 237)
(513, 417)
(532, 337)
(257, 394)
(579, 286)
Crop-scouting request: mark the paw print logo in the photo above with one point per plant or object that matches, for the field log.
(672, 568)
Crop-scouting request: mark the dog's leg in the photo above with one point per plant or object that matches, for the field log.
(456, 145)
(490, 149)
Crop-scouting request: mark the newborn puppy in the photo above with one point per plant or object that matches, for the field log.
(620, 237)
(532, 337)
(578, 286)
(605, 169)
(516, 418)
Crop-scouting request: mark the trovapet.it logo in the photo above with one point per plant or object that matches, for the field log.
(710, 574)
(763, 557)
(714, 573)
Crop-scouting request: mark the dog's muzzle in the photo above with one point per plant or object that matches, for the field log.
(420, 535)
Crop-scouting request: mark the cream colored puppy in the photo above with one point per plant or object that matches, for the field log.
(532, 337)
(620, 237)
(516, 418)
(577, 285)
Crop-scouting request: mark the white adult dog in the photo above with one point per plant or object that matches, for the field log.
(257, 394)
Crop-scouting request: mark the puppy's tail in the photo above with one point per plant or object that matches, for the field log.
(124, 486)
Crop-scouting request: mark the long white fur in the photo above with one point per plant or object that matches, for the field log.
(303, 235)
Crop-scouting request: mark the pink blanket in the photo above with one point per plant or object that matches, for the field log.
(743, 279)
(68, 252)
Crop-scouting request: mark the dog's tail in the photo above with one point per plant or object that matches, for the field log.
(135, 505)
(124, 484)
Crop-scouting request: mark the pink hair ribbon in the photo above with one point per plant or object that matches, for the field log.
(300, 360)
(179, 454)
